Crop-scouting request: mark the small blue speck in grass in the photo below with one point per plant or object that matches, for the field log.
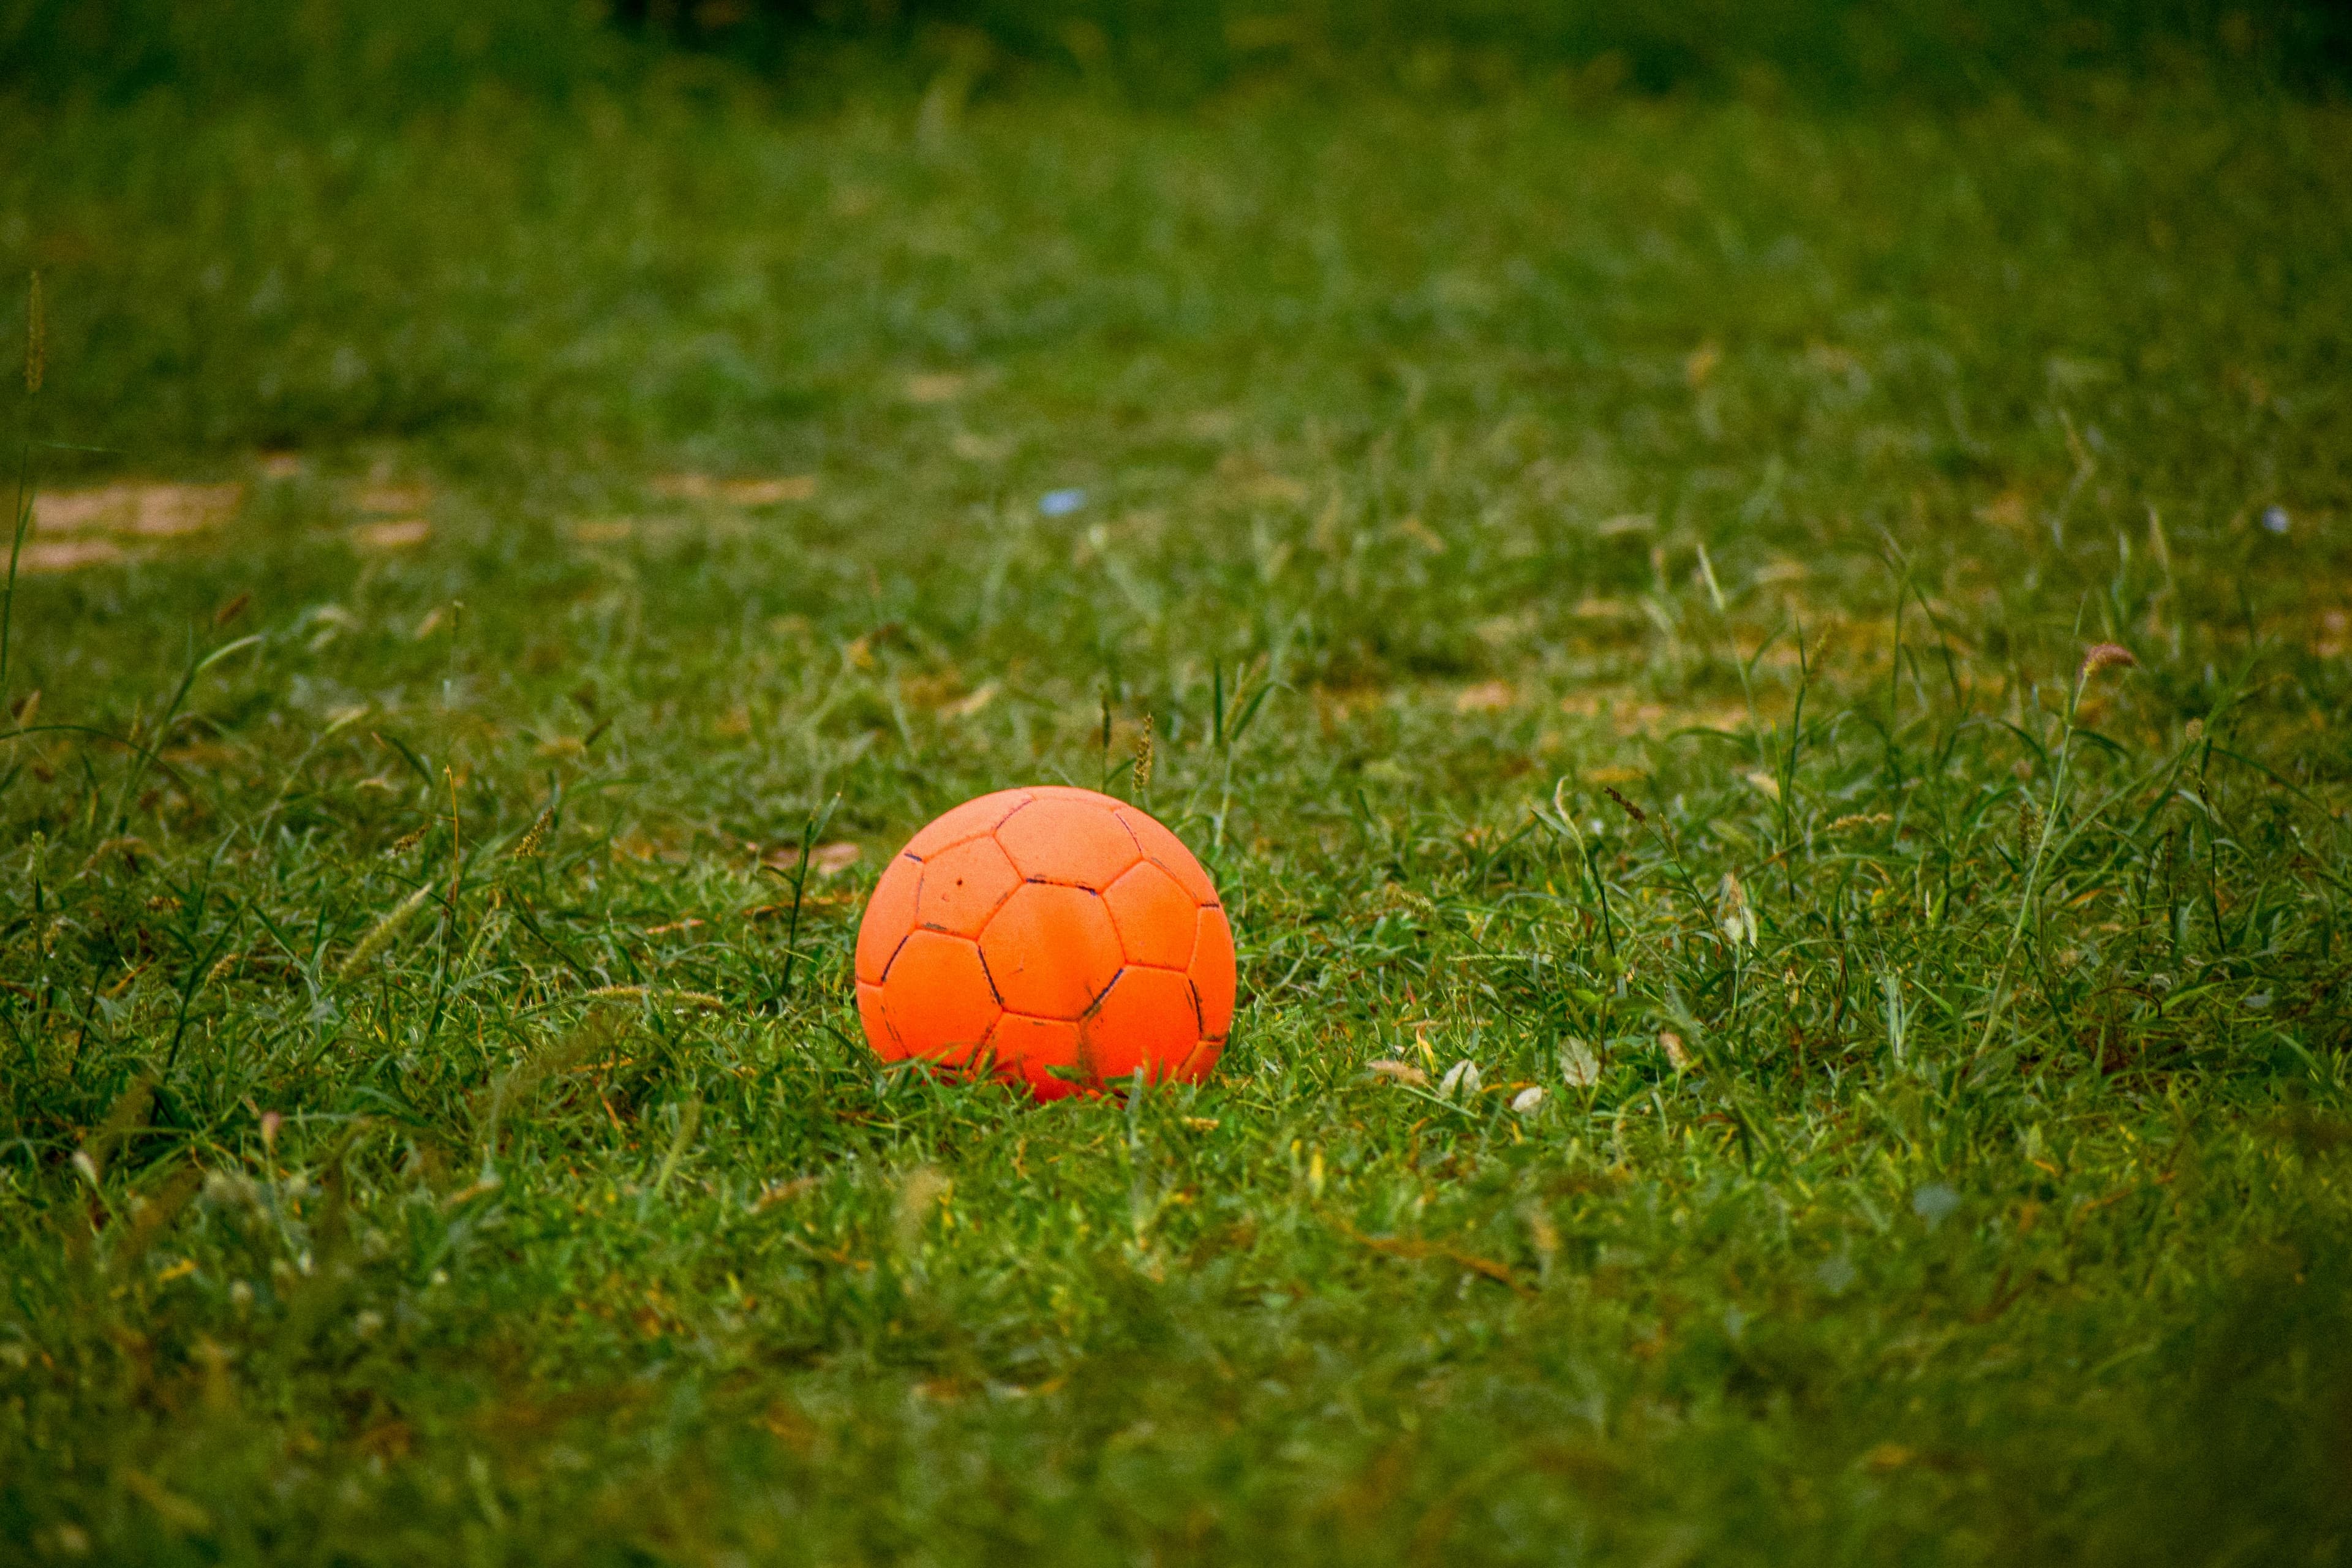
(1061, 503)
(2275, 519)
(2258, 1000)
(1935, 1202)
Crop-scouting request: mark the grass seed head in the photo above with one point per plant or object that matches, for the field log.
(2102, 656)
(380, 935)
(534, 839)
(1143, 758)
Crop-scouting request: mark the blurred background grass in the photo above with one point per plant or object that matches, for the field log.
(299, 225)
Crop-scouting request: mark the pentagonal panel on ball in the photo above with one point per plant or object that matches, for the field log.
(1051, 950)
(1156, 919)
(962, 886)
(1027, 1050)
(1169, 850)
(889, 916)
(938, 998)
(1072, 792)
(1201, 1062)
(969, 820)
(1057, 839)
(1145, 1020)
(1212, 975)
(876, 1020)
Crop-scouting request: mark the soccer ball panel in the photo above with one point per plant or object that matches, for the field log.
(877, 1019)
(962, 886)
(1214, 978)
(1169, 850)
(1027, 1049)
(889, 916)
(1145, 1020)
(1073, 792)
(972, 819)
(1057, 839)
(1197, 1066)
(938, 999)
(1156, 919)
(1051, 951)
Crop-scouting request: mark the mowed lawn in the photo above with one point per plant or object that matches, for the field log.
(1608, 582)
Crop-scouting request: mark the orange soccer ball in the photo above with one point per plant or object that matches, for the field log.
(1047, 927)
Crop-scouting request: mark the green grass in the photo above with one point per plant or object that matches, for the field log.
(1669, 535)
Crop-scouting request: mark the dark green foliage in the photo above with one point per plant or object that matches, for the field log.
(345, 59)
(1827, 52)
(328, 59)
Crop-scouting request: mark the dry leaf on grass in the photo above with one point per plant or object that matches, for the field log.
(391, 500)
(2007, 509)
(965, 706)
(769, 492)
(1274, 490)
(1487, 697)
(397, 535)
(1420, 533)
(1462, 1080)
(939, 386)
(70, 555)
(139, 508)
(832, 860)
(737, 492)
